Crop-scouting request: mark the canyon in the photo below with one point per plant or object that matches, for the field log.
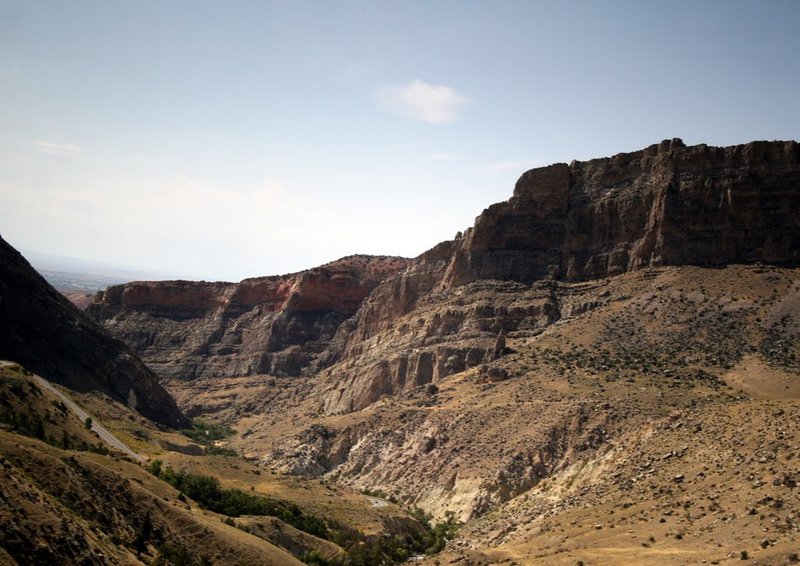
(605, 368)
(665, 205)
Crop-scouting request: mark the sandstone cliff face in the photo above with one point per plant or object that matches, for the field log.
(267, 325)
(44, 332)
(665, 205)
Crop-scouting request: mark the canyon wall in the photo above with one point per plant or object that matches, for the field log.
(379, 326)
(668, 204)
(267, 325)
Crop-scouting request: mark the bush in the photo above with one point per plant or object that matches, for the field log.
(212, 450)
(207, 433)
(173, 555)
(436, 536)
(206, 491)
(154, 467)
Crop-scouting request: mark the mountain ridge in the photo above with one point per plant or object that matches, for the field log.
(667, 204)
(605, 367)
(43, 331)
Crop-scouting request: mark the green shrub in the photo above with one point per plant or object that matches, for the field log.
(206, 491)
(206, 433)
(154, 467)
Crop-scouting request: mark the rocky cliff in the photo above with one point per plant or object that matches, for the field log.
(44, 332)
(268, 325)
(665, 205)
(417, 322)
(668, 204)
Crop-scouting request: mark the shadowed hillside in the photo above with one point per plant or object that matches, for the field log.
(44, 332)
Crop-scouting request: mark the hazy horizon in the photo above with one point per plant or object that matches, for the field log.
(246, 139)
(46, 262)
(42, 261)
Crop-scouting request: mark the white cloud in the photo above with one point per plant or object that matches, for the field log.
(418, 100)
(62, 149)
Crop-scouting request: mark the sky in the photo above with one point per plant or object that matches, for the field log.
(223, 140)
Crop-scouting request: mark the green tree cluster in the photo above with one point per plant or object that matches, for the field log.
(208, 493)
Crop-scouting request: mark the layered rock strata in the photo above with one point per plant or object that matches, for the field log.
(665, 205)
(668, 204)
(279, 325)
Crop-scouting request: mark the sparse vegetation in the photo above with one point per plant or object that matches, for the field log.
(21, 417)
(206, 491)
(207, 433)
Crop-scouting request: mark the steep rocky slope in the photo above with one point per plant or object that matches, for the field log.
(624, 351)
(695, 487)
(665, 205)
(280, 325)
(66, 497)
(644, 377)
(43, 331)
(511, 397)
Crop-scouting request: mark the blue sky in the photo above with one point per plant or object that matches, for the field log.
(232, 139)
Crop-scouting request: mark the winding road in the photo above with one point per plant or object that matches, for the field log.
(101, 431)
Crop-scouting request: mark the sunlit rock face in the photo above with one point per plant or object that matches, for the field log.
(668, 204)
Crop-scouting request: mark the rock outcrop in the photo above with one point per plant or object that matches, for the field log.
(279, 325)
(668, 204)
(665, 205)
(44, 332)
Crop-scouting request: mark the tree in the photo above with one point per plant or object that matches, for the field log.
(155, 468)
